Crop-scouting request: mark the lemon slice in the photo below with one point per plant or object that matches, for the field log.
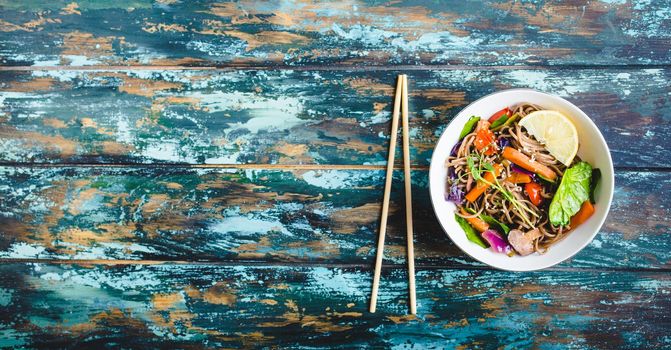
(555, 131)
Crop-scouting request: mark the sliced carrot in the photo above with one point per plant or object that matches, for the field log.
(525, 162)
(586, 210)
(481, 186)
(476, 222)
(517, 178)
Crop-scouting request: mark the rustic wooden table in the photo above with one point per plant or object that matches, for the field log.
(204, 175)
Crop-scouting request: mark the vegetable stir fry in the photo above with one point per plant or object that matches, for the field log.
(517, 182)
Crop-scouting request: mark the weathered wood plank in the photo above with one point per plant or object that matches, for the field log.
(348, 33)
(274, 216)
(296, 117)
(204, 306)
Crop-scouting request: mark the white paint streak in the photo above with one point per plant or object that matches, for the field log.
(269, 114)
(337, 179)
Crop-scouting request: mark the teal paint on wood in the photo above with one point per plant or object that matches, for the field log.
(273, 216)
(296, 117)
(356, 33)
(289, 251)
(213, 306)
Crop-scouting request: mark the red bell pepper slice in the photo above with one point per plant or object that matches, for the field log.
(499, 114)
(533, 190)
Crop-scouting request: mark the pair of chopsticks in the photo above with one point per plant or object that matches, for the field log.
(400, 103)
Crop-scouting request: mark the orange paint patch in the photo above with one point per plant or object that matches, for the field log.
(11, 27)
(293, 153)
(116, 318)
(88, 123)
(365, 86)
(166, 301)
(146, 88)
(320, 323)
(452, 98)
(321, 247)
(307, 16)
(85, 238)
(461, 323)
(220, 294)
(154, 204)
(291, 150)
(172, 185)
(379, 107)
(35, 84)
(346, 314)
(86, 44)
(239, 14)
(352, 134)
(248, 196)
(39, 22)
(54, 123)
(162, 27)
(71, 9)
(253, 250)
(253, 339)
(116, 148)
(53, 144)
(349, 220)
(160, 103)
(268, 301)
(81, 197)
(267, 38)
(280, 286)
(402, 319)
(184, 61)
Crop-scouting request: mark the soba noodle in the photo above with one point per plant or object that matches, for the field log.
(493, 202)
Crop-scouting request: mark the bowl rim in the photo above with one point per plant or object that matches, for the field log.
(610, 191)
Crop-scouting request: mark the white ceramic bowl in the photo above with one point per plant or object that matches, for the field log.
(593, 149)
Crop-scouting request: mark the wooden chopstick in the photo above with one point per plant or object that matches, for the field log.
(408, 197)
(400, 102)
(387, 191)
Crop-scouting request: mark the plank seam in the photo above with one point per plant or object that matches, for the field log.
(225, 68)
(211, 166)
(366, 266)
(265, 166)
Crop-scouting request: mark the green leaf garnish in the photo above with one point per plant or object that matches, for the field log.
(573, 191)
(596, 176)
(491, 221)
(470, 231)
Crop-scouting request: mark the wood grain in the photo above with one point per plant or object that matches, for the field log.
(296, 117)
(352, 33)
(200, 174)
(308, 216)
(205, 306)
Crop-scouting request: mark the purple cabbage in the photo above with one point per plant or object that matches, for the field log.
(455, 148)
(454, 194)
(503, 142)
(496, 243)
(451, 174)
